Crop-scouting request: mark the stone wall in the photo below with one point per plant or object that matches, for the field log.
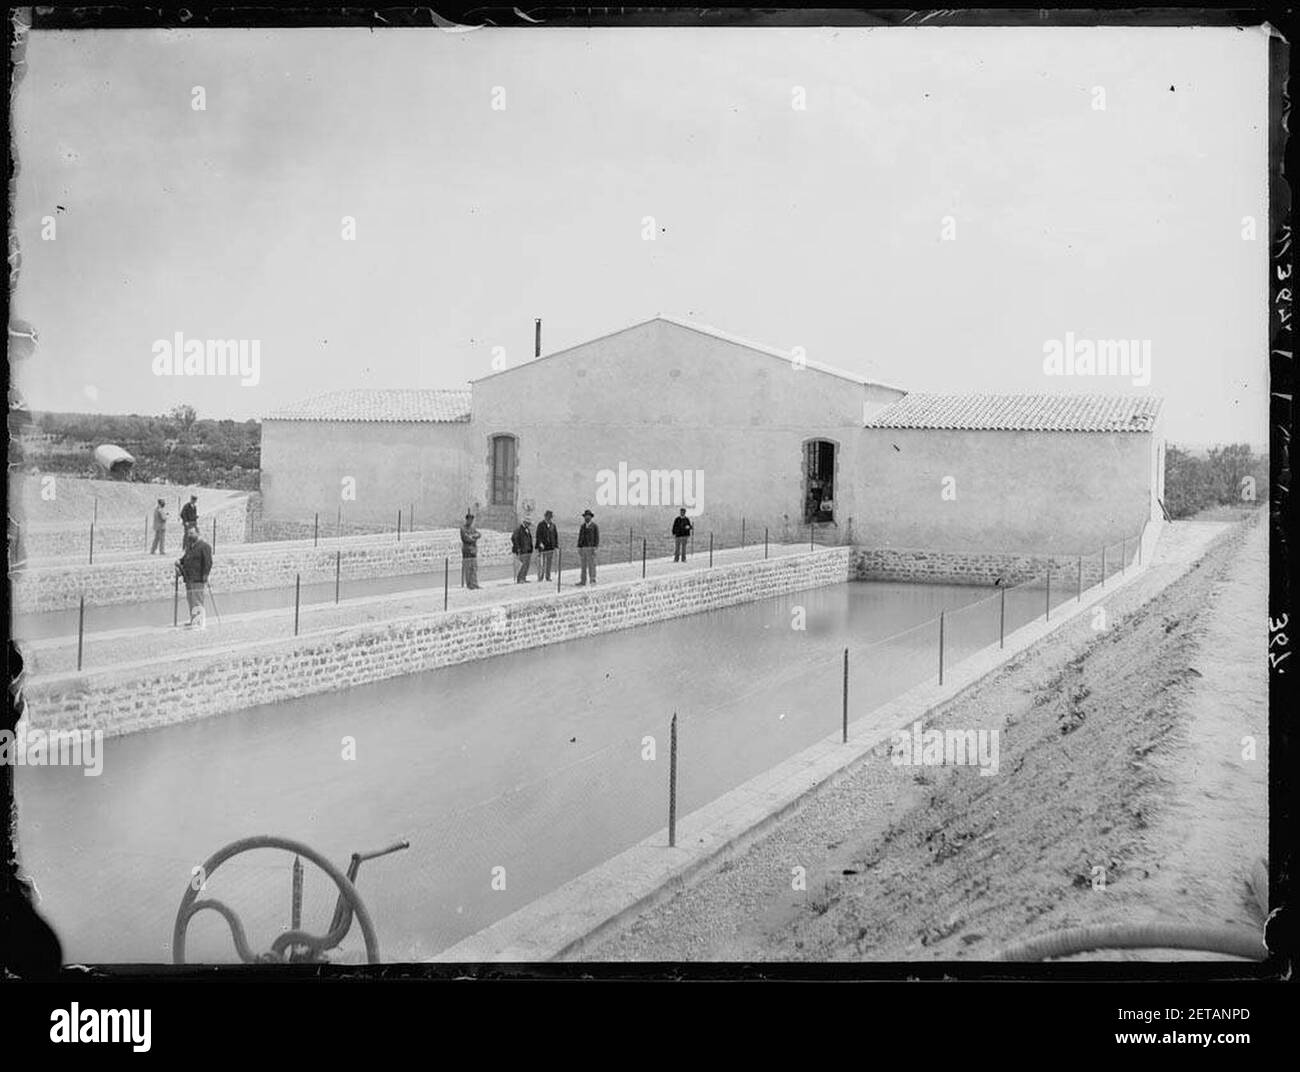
(243, 567)
(951, 567)
(127, 698)
(117, 535)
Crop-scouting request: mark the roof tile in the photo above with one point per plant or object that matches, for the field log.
(1022, 413)
(364, 404)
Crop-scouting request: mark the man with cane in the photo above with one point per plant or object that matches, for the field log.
(194, 566)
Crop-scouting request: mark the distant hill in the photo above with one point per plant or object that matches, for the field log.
(176, 448)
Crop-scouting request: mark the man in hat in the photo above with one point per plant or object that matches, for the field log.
(521, 543)
(588, 541)
(682, 529)
(545, 540)
(194, 566)
(190, 513)
(159, 528)
(469, 553)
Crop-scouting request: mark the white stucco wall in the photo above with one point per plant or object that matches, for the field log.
(1040, 492)
(393, 464)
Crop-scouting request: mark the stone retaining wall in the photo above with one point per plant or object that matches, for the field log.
(243, 567)
(948, 567)
(128, 698)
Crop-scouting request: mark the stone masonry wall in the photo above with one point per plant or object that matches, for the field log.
(126, 698)
(243, 567)
(947, 567)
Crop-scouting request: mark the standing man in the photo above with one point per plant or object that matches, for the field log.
(194, 566)
(588, 541)
(682, 529)
(159, 528)
(545, 541)
(469, 553)
(521, 543)
(190, 514)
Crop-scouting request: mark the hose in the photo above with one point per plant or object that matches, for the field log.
(1241, 942)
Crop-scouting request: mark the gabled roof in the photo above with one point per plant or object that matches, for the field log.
(1022, 413)
(704, 329)
(366, 404)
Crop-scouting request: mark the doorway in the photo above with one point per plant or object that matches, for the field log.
(819, 481)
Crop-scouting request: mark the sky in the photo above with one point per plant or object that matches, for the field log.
(948, 201)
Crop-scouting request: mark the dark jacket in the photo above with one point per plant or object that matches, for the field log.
(589, 534)
(521, 541)
(196, 563)
(468, 538)
(546, 538)
(159, 518)
(682, 526)
(190, 514)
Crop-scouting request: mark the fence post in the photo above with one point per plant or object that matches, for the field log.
(214, 533)
(941, 647)
(1048, 616)
(338, 525)
(1078, 597)
(742, 532)
(399, 524)
(812, 536)
(410, 518)
(1002, 620)
(629, 545)
(765, 541)
(559, 566)
(81, 629)
(672, 783)
(176, 599)
(446, 580)
(315, 530)
(710, 549)
(338, 572)
(643, 558)
(92, 543)
(147, 542)
(297, 592)
(1103, 565)
(846, 695)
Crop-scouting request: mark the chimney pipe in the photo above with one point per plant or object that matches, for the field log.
(537, 342)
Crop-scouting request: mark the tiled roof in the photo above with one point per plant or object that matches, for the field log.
(1022, 413)
(379, 405)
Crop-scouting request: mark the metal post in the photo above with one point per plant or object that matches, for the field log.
(176, 599)
(410, 518)
(643, 558)
(92, 543)
(297, 593)
(1103, 565)
(338, 525)
(81, 629)
(446, 580)
(1048, 616)
(214, 534)
(559, 566)
(812, 537)
(710, 549)
(315, 530)
(629, 545)
(1078, 596)
(95, 511)
(338, 570)
(941, 647)
(147, 543)
(846, 695)
(672, 783)
(1002, 619)
(765, 541)
(295, 912)
(399, 524)
(742, 532)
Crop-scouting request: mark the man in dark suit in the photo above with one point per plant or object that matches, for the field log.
(545, 540)
(682, 529)
(588, 541)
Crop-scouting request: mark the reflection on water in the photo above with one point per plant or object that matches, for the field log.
(509, 776)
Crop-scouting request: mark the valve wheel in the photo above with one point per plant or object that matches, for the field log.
(290, 940)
